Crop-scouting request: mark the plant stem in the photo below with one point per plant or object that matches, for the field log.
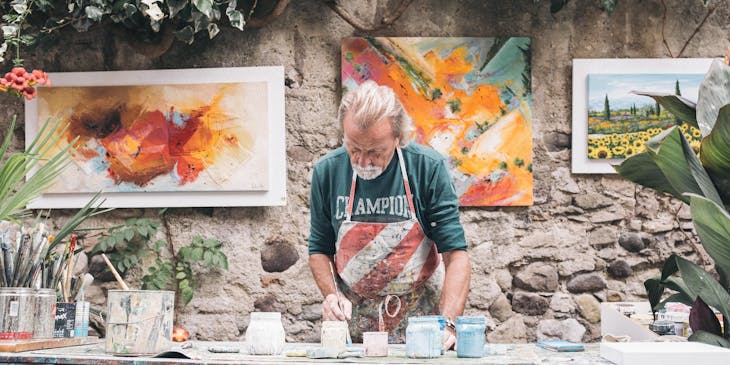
(171, 247)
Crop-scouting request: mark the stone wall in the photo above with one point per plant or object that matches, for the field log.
(537, 271)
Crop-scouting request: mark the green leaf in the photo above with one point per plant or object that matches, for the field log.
(236, 19)
(609, 5)
(714, 94)
(94, 13)
(128, 234)
(213, 30)
(709, 338)
(204, 6)
(702, 318)
(680, 107)
(715, 154)
(180, 275)
(175, 6)
(702, 284)
(712, 223)
(654, 291)
(197, 254)
(642, 169)
(187, 295)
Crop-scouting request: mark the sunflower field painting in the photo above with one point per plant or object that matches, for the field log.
(470, 100)
(620, 122)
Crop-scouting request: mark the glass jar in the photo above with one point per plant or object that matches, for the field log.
(470, 337)
(423, 338)
(442, 327)
(265, 334)
(334, 335)
(45, 313)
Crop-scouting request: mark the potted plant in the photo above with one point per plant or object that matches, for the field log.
(670, 165)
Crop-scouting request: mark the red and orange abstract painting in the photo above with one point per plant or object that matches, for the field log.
(163, 138)
(470, 100)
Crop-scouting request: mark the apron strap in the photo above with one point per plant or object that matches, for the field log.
(348, 212)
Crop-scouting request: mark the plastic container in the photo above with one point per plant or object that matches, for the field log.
(423, 338)
(375, 343)
(470, 338)
(334, 335)
(17, 307)
(45, 313)
(265, 334)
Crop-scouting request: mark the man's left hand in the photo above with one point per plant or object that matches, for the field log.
(449, 339)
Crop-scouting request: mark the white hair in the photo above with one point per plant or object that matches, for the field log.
(371, 103)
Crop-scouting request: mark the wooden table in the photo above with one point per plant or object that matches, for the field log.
(199, 354)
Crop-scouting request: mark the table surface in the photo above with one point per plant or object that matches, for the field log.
(517, 354)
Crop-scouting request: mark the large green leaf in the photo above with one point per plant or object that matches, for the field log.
(712, 222)
(701, 283)
(680, 107)
(642, 169)
(715, 154)
(714, 93)
(709, 338)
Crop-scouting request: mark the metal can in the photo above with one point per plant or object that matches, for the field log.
(470, 337)
(423, 338)
(16, 313)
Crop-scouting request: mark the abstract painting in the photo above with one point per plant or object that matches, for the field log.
(170, 137)
(611, 122)
(621, 122)
(470, 100)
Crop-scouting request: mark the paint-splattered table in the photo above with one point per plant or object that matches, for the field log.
(198, 353)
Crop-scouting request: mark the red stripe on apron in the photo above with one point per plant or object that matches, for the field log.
(357, 238)
(389, 268)
(429, 267)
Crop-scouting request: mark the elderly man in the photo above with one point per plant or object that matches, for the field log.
(384, 213)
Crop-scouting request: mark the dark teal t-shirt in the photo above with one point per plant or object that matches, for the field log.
(383, 199)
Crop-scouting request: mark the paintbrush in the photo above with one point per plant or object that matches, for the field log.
(337, 292)
(115, 273)
(69, 268)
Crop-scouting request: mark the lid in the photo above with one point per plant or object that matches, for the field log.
(334, 324)
(471, 319)
(266, 315)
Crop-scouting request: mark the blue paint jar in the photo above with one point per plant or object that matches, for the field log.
(470, 336)
(442, 326)
(423, 338)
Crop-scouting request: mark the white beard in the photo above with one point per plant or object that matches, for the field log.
(367, 172)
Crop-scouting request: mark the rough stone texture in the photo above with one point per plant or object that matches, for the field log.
(569, 209)
(620, 269)
(562, 303)
(501, 308)
(568, 329)
(278, 255)
(614, 296)
(537, 276)
(589, 307)
(586, 283)
(631, 241)
(529, 303)
(511, 331)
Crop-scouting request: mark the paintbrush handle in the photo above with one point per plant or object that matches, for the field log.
(115, 273)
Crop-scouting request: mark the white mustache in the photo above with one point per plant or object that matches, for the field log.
(367, 172)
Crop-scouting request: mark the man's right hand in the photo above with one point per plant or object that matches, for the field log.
(334, 311)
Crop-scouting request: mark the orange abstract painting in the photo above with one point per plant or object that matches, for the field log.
(163, 138)
(470, 100)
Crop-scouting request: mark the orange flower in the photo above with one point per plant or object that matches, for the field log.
(20, 83)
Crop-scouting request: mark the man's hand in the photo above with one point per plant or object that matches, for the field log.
(449, 339)
(334, 311)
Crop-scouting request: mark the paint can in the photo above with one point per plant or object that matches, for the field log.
(265, 334)
(334, 335)
(423, 338)
(16, 313)
(375, 343)
(44, 317)
(139, 322)
(65, 320)
(470, 338)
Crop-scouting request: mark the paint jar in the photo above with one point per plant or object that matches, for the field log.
(139, 322)
(16, 313)
(375, 343)
(470, 337)
(442, 326)
(45, 313)
(423, 338)
(265, 333)
(334, 335)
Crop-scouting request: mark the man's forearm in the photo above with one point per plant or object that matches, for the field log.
(456, 283)
(320, 266)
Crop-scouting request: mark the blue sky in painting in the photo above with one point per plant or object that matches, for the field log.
(619, 87)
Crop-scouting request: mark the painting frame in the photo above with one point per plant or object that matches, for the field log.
(582, 67)
(274, 195)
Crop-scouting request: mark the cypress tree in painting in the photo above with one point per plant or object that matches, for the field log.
(676, 88)
(606, 110)
(658, 109)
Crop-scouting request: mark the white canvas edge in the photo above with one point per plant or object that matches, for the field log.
(275, 196)
(580, 163)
